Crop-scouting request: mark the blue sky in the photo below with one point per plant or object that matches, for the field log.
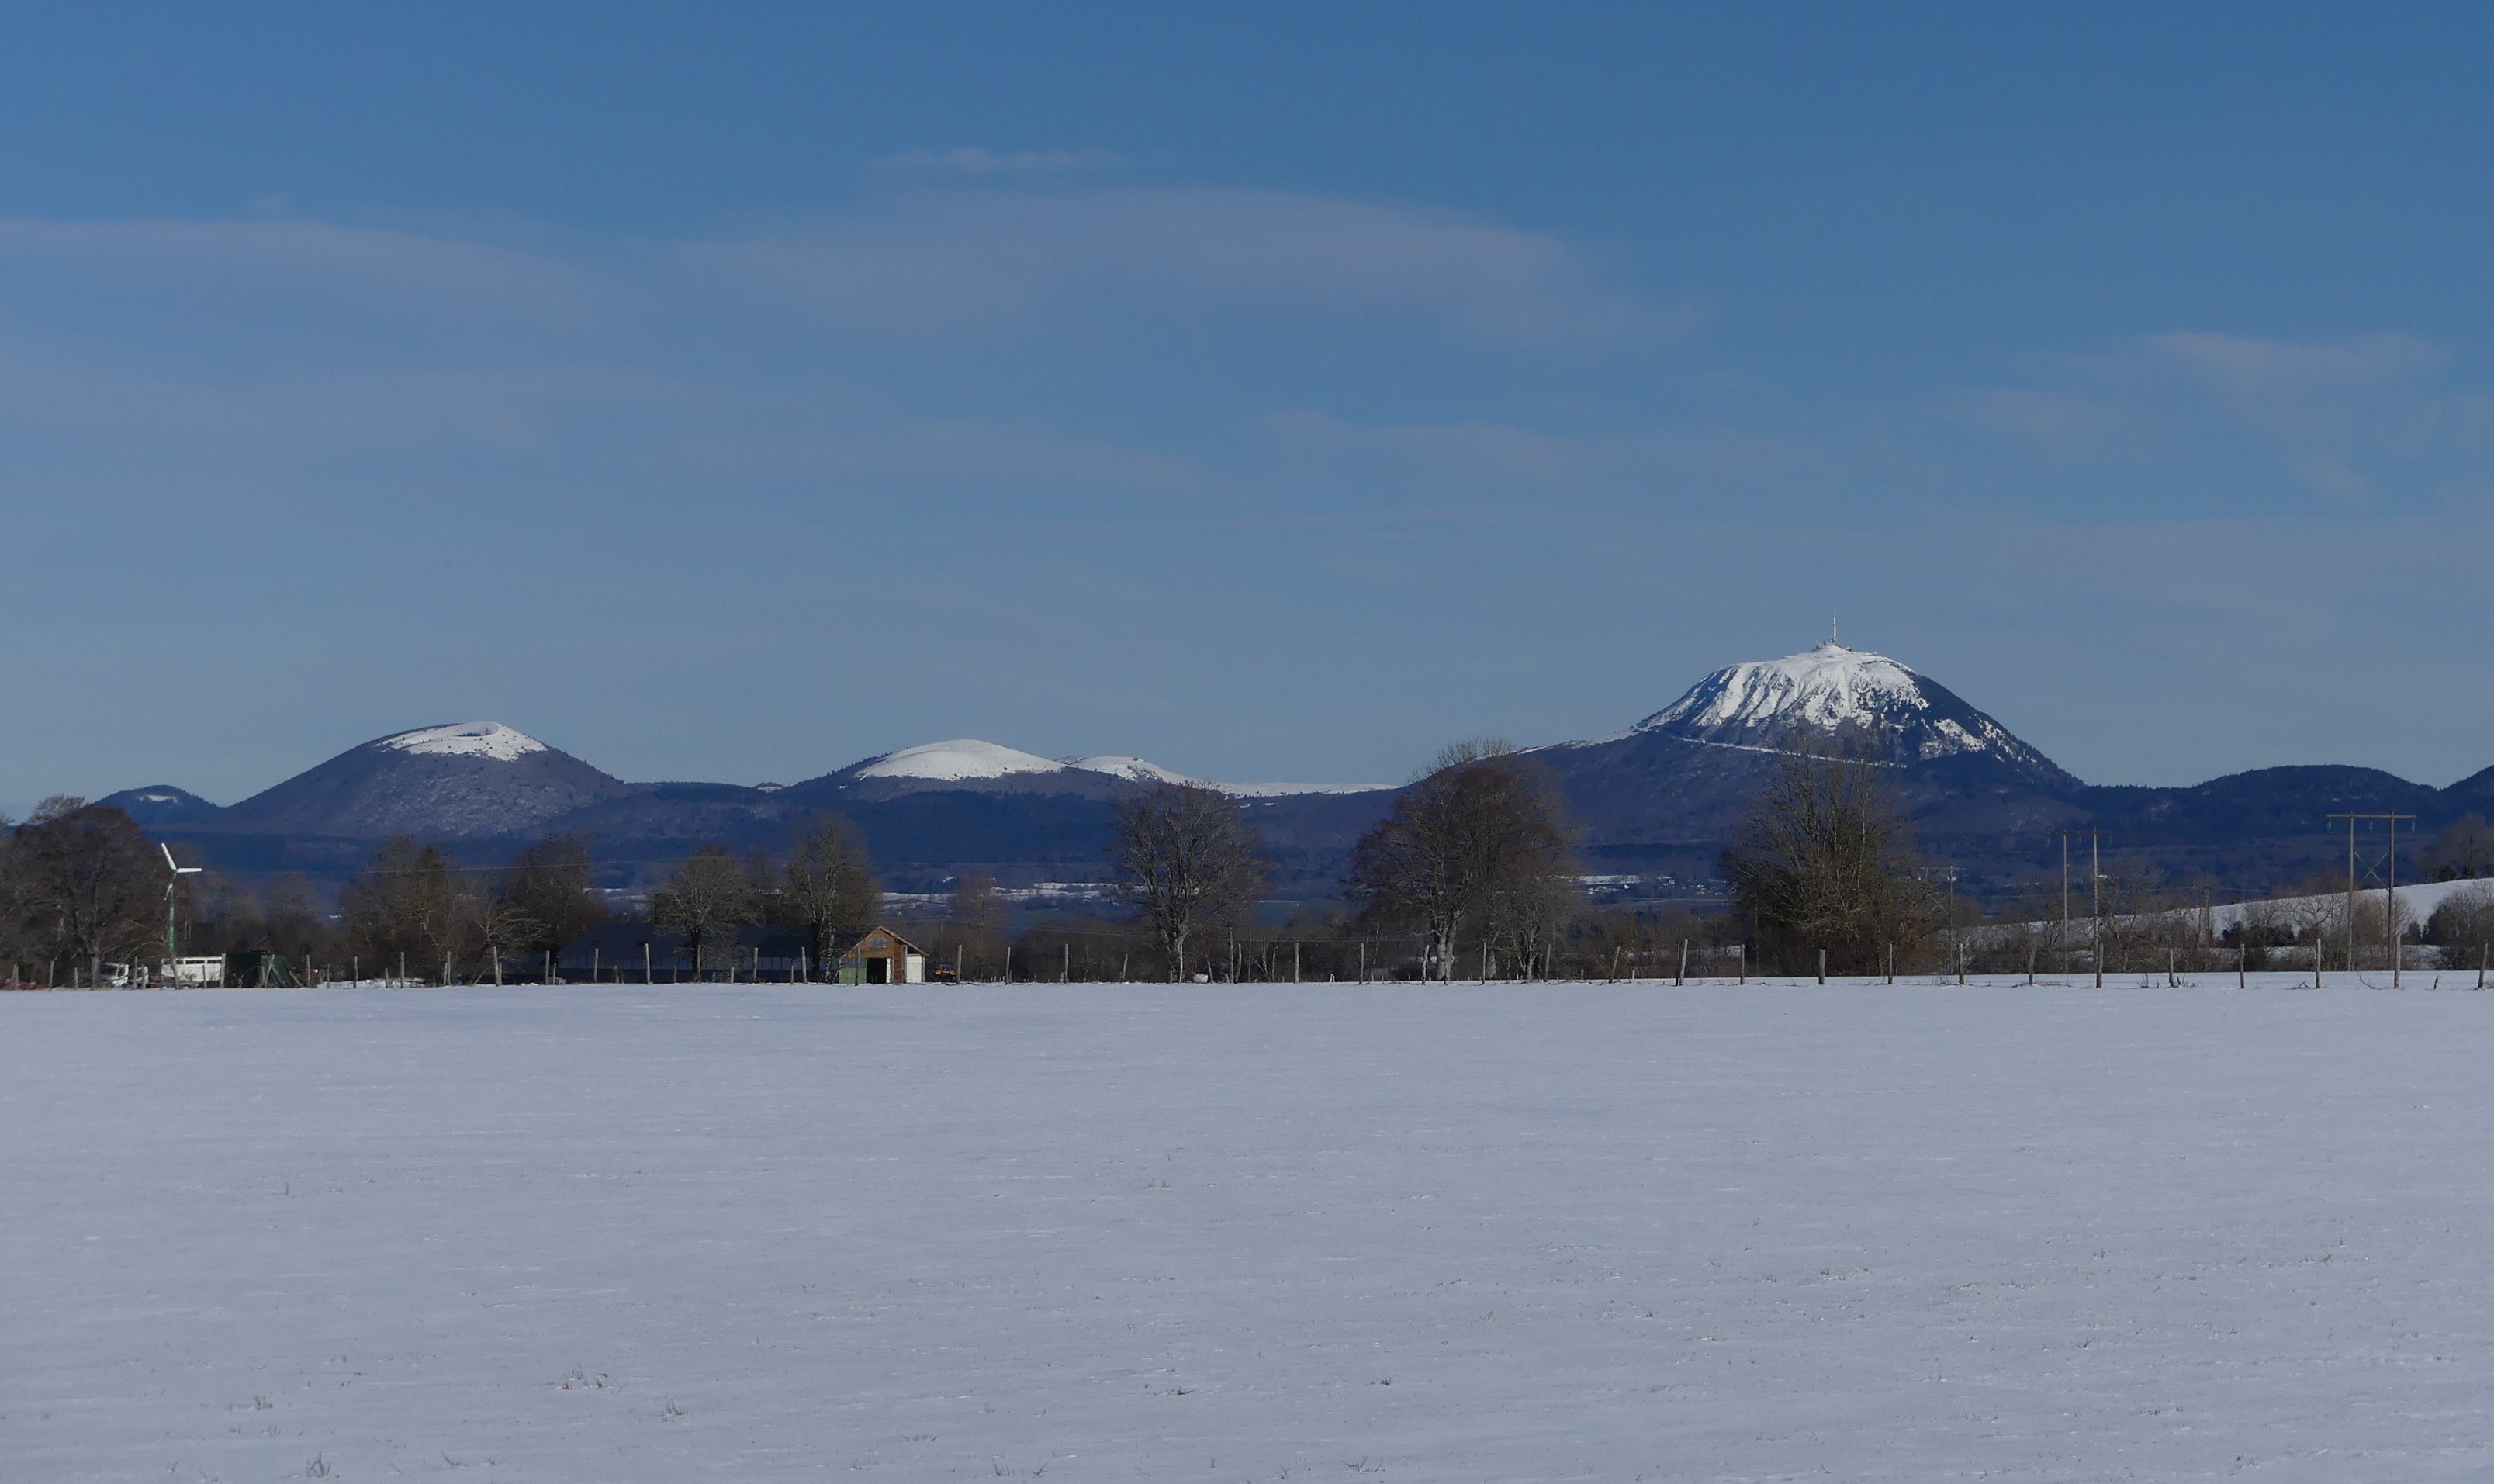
(1277, 391)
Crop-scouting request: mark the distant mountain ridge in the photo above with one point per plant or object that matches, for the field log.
(483, 787)
(1658, 799)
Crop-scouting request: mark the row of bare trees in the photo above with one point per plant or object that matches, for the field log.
(826, 887)
(81, 888)
(411, 909)
(1473, 856)
(1469, 873)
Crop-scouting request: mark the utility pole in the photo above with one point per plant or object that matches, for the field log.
(2095, 892)
(2391, 905)
(2389, 893)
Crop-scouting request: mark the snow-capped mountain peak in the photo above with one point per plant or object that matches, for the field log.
(1829, 688)
(467, 781)
(1133, 768)
(962, 758)
(1823, 687)
(466, 739)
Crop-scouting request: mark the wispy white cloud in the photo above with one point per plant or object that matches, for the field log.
(2330, 406)
(976, 258)
(991, 258)
(973, 162)
(2348, 418)
(294, 259)
(2261, 373)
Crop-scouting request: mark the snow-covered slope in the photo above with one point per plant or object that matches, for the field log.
(1829, 689)
(966, 760)
(1133, 768)
(957, 760)
(466, 739)
(1826, 686)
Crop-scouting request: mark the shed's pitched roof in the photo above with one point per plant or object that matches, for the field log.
(850, 949)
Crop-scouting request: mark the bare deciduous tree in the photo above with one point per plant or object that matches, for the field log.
(974, 925)
(2464, 848)
(1824, 859)
(221, 915)
(85, 885)
(1529, 914)
(503, 929)
(1478, 846)
(408, 903)
(552, 887)
(1185, 859)
(829, 887)
(706, 898)
(2462, 928)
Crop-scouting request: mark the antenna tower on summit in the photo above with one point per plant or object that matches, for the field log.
(1831, 628)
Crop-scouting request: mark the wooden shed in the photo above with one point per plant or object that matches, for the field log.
(883, 957)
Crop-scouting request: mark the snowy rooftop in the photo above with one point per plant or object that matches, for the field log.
(466, 739)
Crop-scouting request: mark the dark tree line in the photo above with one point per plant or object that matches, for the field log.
(1471, 867)
(826, 887)
(83, 899)
(412, 909)
(412, 905)
(84, 891)
(1469, 873)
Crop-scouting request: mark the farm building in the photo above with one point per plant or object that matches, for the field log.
(882, 956)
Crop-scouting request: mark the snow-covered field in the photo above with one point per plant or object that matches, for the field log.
(1560, 1232)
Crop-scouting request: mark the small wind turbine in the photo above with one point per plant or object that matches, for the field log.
(173, 961)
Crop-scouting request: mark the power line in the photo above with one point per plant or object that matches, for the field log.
(2389, 893)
